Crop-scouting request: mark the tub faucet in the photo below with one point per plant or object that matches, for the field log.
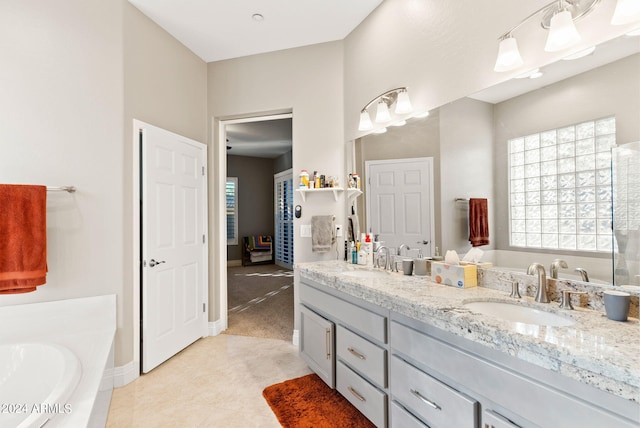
(387, 258)
(583, 273)
(555, 266)
(541, 293)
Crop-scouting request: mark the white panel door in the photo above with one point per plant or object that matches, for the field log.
(399, 198)
(174, 277)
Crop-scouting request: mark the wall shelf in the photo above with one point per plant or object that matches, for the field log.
(353, 193)
(335, 190)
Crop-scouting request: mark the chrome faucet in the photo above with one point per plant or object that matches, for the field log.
(555, 266)
(541, 293)
(387, 259)
(583, 273)
(401, 247)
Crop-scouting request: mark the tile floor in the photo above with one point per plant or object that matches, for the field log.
(216, 382)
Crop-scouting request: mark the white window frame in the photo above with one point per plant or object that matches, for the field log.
(234, 239)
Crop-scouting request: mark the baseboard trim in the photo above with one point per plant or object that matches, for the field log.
(234, 263)
(215, 328)
(296, 338)
(124, 375)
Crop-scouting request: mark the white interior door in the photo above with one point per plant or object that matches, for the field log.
(400, 202)
(174, 262)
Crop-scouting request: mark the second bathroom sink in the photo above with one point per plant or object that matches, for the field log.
(518, 313)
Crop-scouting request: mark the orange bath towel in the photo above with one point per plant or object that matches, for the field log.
(23, 238)
(478, 222)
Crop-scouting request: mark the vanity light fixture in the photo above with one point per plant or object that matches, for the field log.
(397, 96)
(558, 17)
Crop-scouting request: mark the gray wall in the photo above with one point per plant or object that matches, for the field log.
(255, 198)
(611, 90)
(74, 75)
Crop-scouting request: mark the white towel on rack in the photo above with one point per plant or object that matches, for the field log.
(322, 233)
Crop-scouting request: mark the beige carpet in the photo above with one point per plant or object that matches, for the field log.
(260, 301)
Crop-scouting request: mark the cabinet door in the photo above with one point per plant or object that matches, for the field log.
(317, 344)
(491, 419)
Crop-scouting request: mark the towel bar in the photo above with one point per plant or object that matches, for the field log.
(69, 189)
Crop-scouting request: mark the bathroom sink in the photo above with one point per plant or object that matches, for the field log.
(517, 313)
(364, 273)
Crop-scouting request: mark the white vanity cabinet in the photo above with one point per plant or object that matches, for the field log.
(487, 388)
(317, 344)
(345, 341)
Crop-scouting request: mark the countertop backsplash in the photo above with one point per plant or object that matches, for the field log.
(501, 280)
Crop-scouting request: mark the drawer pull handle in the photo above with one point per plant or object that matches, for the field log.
(356, 353)
(424, 400)
(356, 394)
(327, 343)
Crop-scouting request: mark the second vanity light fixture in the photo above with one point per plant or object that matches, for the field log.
(384, 101)
(558, 17)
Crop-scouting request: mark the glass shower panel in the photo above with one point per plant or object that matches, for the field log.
(626, 214)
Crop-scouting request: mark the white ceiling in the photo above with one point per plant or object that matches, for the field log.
(222, 29)
(263, 139)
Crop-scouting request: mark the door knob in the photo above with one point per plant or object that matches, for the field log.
(423, 242)
(152, 263)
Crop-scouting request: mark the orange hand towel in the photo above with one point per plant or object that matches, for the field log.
(23, 238)
(478, 222)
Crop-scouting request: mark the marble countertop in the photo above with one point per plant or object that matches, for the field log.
(595, 350)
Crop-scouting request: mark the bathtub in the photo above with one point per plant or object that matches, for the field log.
(56, 363)
(34, 379)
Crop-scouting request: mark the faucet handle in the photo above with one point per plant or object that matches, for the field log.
(515, 290)
(565, 299)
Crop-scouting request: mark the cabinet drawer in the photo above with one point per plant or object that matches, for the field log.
(436, 403)
(363, 320)
(400, 418)
(365, 397)
(362, 355)
(491, 419)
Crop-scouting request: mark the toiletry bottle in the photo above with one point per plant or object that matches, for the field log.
(368, 249)
(362, 257)
(304, 179)
(354, 254)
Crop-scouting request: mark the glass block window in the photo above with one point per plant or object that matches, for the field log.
(560, 187)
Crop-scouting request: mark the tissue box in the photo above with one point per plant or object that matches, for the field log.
(461, 276)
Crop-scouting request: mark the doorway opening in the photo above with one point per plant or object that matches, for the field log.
(259, 241)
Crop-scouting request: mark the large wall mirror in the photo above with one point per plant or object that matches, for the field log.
(468, 140)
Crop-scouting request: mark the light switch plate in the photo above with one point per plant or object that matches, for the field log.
(305, 231)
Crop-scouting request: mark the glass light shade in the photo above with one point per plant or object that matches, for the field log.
(382, 113)
(562, 32)
(626, 12)
(403, 104)
(365, 121)
(399, 123)
(508, 55)
(380, 131)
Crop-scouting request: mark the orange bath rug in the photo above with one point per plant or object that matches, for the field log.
(307, 402)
